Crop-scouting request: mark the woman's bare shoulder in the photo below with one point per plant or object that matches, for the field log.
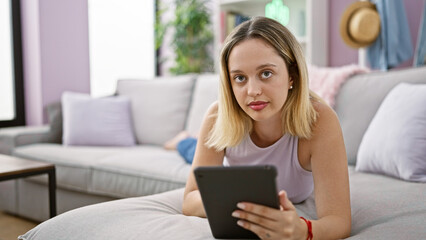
(210, 117)
(327, 121)
(212, 111)
(213, 108)
(326, 128)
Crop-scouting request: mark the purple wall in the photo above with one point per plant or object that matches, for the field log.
(31, 62)
(341, 54)
(56, 53)
(338, 52)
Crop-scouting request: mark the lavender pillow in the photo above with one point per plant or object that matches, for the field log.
(395, 142)
(91, 121)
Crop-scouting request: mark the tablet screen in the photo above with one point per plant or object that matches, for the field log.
(221, 188)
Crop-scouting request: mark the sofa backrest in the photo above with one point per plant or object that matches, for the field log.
(159, 107)
(165, 106)
(360, 97)
(205, 93)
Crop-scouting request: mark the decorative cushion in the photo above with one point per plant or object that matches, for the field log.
(96, 121)
(360, 97)
(159, 106)
(395, 142)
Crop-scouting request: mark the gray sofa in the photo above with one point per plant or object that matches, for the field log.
(87, 175)
(382, 207)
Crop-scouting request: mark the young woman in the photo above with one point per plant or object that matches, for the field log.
(267, 115)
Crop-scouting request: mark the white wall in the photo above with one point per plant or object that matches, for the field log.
(7, 103)
(121, 42)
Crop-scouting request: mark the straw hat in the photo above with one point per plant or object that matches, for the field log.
(360, 24)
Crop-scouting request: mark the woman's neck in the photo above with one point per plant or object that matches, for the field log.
(265, 134)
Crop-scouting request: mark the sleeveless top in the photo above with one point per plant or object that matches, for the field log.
(291, 177)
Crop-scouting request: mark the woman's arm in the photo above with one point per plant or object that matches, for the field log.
(330, 172)
(204, 156)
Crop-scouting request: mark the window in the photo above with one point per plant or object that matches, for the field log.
(11, 81)
(121, 40)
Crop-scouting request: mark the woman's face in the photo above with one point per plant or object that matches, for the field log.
(259, 79)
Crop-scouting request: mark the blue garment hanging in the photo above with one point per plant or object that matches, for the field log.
(393, 46)
(420, 53)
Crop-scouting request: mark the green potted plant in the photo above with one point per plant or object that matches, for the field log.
(193, 37)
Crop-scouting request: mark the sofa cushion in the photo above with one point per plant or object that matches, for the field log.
(91, 121)
(73, 164)
(382, 208)
(159, 106)
(112, 171)
(361, 96)
(205, 93)
(141, 171)
(395, 142)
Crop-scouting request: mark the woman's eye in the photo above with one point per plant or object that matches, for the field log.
(266, 74)
(239, 78)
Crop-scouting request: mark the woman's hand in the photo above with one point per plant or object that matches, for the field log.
(270, 223)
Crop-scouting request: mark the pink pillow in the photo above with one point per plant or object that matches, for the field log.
(91, 121)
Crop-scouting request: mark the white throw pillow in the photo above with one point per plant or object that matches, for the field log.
(91, 121)
(395, 142)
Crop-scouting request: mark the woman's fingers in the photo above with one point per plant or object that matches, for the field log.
(266, 228)
(270, 218)
(256, 219)
(266, 222)
(285, 203)
(260, 210)
(260, 231)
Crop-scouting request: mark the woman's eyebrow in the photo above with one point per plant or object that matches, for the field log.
(266, 65)
(235, 71)
(259, 67)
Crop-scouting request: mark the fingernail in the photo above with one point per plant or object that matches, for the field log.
(240, 205)
(235, 214)
(240, 223)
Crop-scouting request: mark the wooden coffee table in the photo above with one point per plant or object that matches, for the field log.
(14, 167)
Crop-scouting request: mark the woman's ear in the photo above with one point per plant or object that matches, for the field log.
(290, 83)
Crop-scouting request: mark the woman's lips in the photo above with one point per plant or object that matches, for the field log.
(258, 105)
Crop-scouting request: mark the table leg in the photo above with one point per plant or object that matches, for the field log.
(52, 192)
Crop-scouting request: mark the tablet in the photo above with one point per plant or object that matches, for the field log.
(221, 188)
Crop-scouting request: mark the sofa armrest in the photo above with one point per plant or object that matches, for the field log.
(13, 137)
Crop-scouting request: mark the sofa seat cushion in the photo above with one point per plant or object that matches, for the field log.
(73, 164)
(111, 171)
(141, 171)
(382, 208)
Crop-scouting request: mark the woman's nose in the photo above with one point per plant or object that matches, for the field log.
(254, 87)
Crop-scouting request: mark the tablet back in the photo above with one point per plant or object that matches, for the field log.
(221, 188)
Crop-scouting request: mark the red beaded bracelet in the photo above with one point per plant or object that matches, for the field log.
(310, 234)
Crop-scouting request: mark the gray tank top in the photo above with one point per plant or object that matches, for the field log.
(296, 181)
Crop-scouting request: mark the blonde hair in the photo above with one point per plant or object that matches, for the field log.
(298, 114)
